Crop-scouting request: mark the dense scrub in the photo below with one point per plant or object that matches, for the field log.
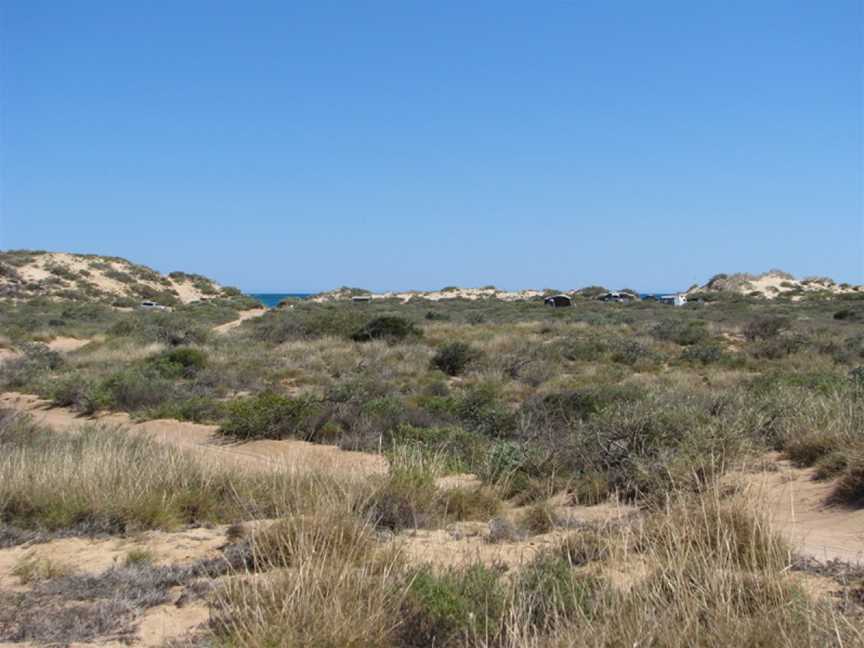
(599, 398)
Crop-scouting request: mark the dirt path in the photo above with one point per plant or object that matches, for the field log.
(203, 440)
(797, 506)
(243, 316)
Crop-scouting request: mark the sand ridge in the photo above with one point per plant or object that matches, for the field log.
(205, 442)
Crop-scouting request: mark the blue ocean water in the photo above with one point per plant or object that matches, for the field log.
(271, 300)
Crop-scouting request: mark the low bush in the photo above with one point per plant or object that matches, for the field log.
(270, 416)
(703, 353)
(307, 322)
(131, 389)
(181, 362)
(453, 358)
(540, 518)
(172, 329)
(830, 465)
(630, 352)
(26, 370)
(453, 607)
(849, 489)
(481, 409)
(681, 332)
(199, 409)
(766, 328)
(388, 328)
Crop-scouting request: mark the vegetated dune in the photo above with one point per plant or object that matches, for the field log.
(772, 284)
(89, 277)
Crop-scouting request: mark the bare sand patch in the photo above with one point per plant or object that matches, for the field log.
(95, 555)
(66, 344)
(170, 621)
(798, 509)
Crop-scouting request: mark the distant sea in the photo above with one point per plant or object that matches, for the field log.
(270, 300)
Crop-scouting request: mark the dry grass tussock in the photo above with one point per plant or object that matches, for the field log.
(713, 573)
(102, 479)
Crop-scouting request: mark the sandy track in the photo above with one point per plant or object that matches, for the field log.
(243, 316)
(203, 440)
(797, 506)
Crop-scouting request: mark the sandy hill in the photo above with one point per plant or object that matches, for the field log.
(25, 274)
(771, 284)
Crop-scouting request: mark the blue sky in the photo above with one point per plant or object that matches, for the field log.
(395, 145)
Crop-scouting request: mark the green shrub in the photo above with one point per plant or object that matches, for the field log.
(435, 316)
(503, 460)
(480, 409)
(703, 353)
(776, 348)
(475, 318)
(36, 361)
(847, 314)
(681, 333)
(306, 322)
(389, 328)
(449, 608)
(453, 358)
(70, 390)
(173, 329)
(579, 404)
(630, 352)
(766, 328)
(583, 348)
(131, 389)
(182, 362)
(200, 409)
(270, 416)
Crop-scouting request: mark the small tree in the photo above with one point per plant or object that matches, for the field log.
(454, 357)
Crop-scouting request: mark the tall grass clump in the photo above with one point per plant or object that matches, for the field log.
(104, 479)
(409, 497)
(344, 589)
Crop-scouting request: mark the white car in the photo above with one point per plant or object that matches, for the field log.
(151, 305)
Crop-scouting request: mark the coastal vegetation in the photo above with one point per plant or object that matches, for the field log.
(510, 417)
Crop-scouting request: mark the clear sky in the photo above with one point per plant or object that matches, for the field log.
(291, 146)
